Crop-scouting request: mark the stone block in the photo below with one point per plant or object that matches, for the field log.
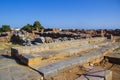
(14, 52)
(29, 59)
(48, 71)
(96, 74)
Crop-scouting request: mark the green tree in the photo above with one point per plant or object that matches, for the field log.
(5, 28)
(37, 25)
(27, 27)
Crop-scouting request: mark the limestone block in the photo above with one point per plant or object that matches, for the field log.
(29, 59)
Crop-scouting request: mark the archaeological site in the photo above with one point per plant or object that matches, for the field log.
(59, 39)
(55, 54)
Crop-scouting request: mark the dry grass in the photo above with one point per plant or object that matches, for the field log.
(6, 45)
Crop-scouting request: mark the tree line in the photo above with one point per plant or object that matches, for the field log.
(36, 26)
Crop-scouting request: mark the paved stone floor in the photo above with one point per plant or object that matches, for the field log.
(10, 70)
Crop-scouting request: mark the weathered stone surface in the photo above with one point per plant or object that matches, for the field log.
(96, 74)
(56, 68)
(1, 57)
(10, 70)
(24, 73)
(57, 45)
(29, 59)
(40, 39)
(67, 49)
(4, 63)
(5, 74)
(48, 39)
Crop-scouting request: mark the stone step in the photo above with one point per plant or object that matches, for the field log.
(96, 74)
(54, 46)
(113, 58)
(55, 68)
(31, 59)
(71, 50)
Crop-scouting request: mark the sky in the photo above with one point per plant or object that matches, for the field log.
(80, 14)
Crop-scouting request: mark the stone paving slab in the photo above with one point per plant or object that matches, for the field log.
(10, 70)
(1, 56)
(4, 63)
(23, 73)
(96, 74)
(5, 75)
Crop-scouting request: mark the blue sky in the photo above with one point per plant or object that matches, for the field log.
(87, 14)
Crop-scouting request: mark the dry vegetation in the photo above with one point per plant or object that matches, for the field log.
(6, 45)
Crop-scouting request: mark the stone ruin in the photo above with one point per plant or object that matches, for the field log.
(53, 51)
(5, 36)
(52, 35)
(51, 59)
(24, 38)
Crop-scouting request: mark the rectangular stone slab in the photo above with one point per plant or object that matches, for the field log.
(29, 59)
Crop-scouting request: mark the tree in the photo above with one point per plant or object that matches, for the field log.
(37, 25)
(5, 28)
(27, 27)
